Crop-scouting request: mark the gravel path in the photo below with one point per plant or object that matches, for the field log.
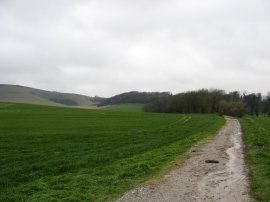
(222, 179)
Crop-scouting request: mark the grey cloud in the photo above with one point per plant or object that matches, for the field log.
(103, 47)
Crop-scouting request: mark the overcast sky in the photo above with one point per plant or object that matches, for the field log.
(106, 47)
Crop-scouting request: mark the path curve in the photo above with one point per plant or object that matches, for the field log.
(199, 181)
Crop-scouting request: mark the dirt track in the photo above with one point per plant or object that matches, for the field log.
(224, 180)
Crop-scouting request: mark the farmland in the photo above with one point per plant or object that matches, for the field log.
(125, 107)
(55, 153)
(257, 151)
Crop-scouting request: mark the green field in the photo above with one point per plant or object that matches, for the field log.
(125, 107)
(257, 155)
(64, 154)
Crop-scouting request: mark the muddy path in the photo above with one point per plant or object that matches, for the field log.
(214, 172)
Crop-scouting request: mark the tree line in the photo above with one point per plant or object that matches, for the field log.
(212, 101)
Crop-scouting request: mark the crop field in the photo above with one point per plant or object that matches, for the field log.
(125, 107)
(257, 149)
(65, 154)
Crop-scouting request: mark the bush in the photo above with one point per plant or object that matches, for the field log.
(236, 109)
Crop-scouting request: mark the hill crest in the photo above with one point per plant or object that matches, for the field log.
(18, 93)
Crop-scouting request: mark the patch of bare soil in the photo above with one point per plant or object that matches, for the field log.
(214, 172)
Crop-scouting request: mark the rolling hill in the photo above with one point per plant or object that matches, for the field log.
(17, 93)
(134, 97)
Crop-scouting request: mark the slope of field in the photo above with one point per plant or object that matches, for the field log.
(257, 150)
(54, 153)
(125, 107)
(15, 93)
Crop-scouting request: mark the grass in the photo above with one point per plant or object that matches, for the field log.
(257, 155)
(64, 154)
(125, 107)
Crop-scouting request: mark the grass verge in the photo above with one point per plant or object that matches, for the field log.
(256, 137)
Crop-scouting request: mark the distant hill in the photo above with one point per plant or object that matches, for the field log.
(16, 93)
(134, 97)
